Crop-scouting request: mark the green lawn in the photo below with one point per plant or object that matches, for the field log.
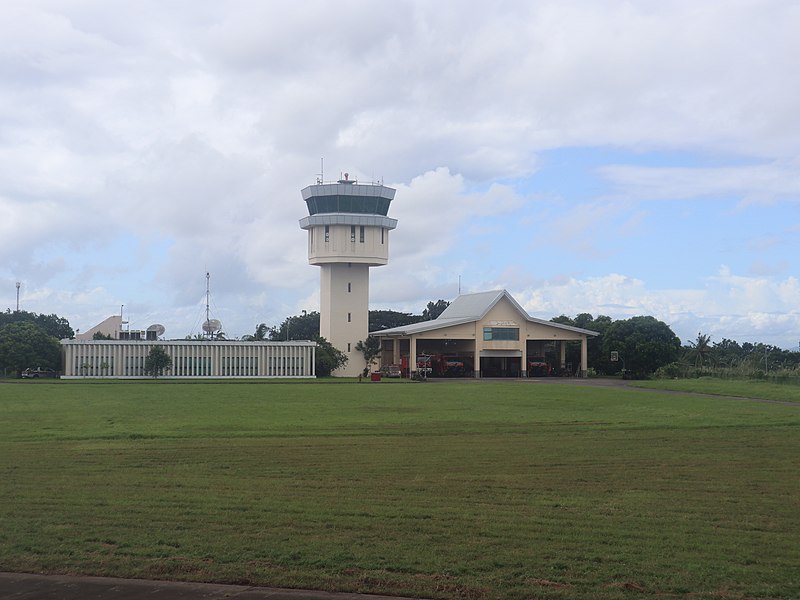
(440, 490)
(745, 388)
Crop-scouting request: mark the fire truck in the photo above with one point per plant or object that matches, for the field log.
(441, 365)
(539, 367)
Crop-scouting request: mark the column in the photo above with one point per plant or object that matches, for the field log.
(524, 366)
(584, 356)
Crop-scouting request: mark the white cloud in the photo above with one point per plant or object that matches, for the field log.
(726, 306)
(777, 180)
(143, 143)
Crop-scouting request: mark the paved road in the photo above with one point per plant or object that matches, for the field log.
(20, 586)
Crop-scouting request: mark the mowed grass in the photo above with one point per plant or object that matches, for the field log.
(440, 490)
(743, 388)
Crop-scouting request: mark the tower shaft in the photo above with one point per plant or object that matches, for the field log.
(344, 309)
(348, 232)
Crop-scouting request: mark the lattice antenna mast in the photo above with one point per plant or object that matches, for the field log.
(208, 295)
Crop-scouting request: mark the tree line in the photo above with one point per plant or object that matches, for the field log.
(30, 340)
(639, 346)
(644, 346)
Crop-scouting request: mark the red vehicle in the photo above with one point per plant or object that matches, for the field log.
(451, 366)
(539, 367)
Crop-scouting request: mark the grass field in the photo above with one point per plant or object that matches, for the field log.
(438, 490)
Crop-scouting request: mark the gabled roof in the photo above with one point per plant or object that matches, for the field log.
(469, 308)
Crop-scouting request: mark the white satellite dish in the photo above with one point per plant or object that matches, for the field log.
(212, 326)
(158, 328)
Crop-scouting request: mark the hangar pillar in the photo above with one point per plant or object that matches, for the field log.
(584, 357)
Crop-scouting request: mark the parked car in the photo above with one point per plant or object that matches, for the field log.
(390, 371)
(38, 372)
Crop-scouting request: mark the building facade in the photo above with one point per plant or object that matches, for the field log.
(348, 232)
(487, 334)
(125, 359)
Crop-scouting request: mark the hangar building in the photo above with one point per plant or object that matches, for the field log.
(487, 334)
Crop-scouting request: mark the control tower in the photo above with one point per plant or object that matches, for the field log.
(348, 232)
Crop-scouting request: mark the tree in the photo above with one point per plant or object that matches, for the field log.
(387, 319)
(25, 345)
(727, 353)
(434, 309)
(644, 343)
(701, 349)
(157, 361)
(371, 349)
(99, 335)
(597, 358)
(328, 358)
(299, 327)
(53, 325)
(262, 331)
(261, 334)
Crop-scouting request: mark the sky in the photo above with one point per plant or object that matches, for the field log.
(614, 158)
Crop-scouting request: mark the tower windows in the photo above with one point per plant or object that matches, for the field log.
(348, 346)
(349, 287)
(361, 234)
(353, 233)
(382, 233)
(349, 315)
(327, 233)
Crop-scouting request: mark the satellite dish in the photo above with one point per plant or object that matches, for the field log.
(212, 326)
(158, 328)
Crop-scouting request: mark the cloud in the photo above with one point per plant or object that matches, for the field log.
(142, 144)
(751, 184)
(726, 306)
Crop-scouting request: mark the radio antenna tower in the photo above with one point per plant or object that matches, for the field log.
(208, 295)
(212, 327)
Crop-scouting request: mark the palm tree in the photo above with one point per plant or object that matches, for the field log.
(701, 349)
(262, 331)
